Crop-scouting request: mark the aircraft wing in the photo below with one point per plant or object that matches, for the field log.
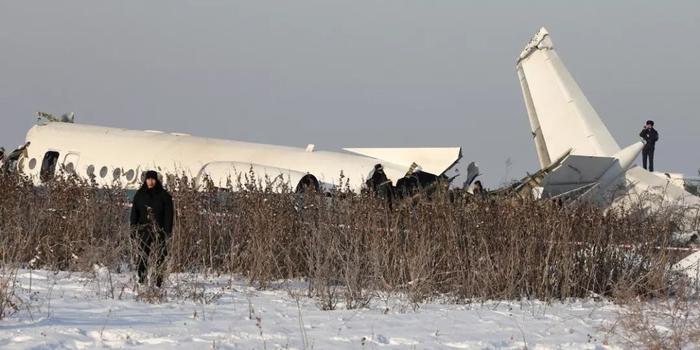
(431, 160)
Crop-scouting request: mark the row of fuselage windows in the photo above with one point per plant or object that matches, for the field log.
(48, 169)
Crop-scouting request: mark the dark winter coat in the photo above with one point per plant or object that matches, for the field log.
(650, 136)
(161, 204)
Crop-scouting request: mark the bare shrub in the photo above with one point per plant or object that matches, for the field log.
(66, 224)
(350, 246)
(9, 303)
(661, 323)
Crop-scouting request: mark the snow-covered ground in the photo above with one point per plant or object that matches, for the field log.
(85, 311)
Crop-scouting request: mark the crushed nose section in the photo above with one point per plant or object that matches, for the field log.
(9, 161)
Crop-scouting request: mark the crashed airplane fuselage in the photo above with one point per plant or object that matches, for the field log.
(119, 157)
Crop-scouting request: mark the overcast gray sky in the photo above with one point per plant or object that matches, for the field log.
(350, 73)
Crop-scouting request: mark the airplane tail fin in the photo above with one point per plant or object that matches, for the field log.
(561, 118)
(575, 149)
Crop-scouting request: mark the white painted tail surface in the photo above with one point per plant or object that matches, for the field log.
(561, 118)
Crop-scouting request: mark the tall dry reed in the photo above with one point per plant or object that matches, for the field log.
(349, 245)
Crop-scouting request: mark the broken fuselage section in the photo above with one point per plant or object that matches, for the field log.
(120, 157)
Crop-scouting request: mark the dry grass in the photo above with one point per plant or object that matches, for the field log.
(660, 323)
(351, 246)
(9, 303)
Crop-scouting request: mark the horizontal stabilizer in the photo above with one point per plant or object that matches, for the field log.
(575, 171)
(431, 160)
(578, 170)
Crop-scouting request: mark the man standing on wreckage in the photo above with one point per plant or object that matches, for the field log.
(152, 225)
(649, 136)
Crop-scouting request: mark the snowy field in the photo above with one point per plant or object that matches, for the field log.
(85, 311)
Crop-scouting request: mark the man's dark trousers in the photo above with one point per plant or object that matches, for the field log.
(648, 156)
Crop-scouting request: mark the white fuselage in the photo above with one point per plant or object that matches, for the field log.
(115, 156)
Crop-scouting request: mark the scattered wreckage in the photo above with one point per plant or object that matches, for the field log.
(579, 158)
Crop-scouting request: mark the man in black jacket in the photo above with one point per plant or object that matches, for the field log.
(152, 224)
(649, 135)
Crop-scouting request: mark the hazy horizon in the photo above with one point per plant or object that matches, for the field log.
(350, 73)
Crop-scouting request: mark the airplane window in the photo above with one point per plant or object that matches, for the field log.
(91, 170)
(117, 173)
(129, 175)
(32, 163)
(103, 171)
(48, 166)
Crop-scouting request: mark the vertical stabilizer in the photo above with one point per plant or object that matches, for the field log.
(588, 163)
(561, 118)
